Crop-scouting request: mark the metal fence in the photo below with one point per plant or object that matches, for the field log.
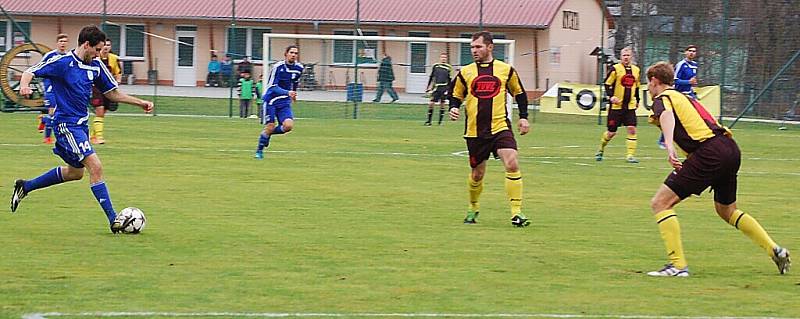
(749, 48)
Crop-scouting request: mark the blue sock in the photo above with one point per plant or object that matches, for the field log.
(48, 125)
(101, 194)
(263, 141)
(52, 177)
(278, 130)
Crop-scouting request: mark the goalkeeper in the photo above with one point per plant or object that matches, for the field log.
(438, 83)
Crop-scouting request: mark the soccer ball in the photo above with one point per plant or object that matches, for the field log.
(135, 220)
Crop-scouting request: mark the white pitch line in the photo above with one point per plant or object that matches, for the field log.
(45, 315)
(539, 159)
(463, 153)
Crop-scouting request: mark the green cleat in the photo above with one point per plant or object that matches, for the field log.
(471, 216)
(598, 156)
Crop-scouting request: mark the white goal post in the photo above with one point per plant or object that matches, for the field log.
(268, 36)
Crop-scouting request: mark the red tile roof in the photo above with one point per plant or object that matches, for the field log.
(508, 13)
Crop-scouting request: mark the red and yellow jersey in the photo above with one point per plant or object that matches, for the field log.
(112, 62)
(623, 82)
(483, 88)
(693, 124)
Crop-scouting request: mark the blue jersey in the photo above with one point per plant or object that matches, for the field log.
(283, 78)
(685, 71)
(71, 81)
(48, 100)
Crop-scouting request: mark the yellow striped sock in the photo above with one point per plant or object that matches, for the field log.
(514, 191)
(97, 124)
(670, 231)
(475, 189)
(630, 144)
(604, 141)
(750, 227)
(91, 129)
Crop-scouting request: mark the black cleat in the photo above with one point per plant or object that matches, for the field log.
(18, 195)
(120, 223)
(471, 217)
(520, 220)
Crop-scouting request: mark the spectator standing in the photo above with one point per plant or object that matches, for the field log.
(246, 88)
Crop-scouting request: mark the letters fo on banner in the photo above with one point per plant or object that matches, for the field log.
(584, 99)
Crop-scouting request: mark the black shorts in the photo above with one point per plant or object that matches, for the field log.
(98, 100)
(439, 94)
(617, 118)
(716, 164)
(480, 147)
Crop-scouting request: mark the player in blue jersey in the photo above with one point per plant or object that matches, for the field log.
(61, 49)
(281, 91)
(685, 78)
(72, 76)
(686, 72)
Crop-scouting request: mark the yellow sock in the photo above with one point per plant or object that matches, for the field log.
(97, 125)
(630, 144)
(475, 189)
(91, 129)
(671, 234)
(750, 227)
(604, 141)
(514, 191)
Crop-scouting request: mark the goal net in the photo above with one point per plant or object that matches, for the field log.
(340, 67)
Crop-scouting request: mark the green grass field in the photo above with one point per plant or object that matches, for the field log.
(353, 217)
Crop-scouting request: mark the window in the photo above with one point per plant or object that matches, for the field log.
(570, 20)
(662, 24)
(500, 49)
(555, 55)
(246, 41)
(11, 36)
(366, 51)
(419, 52)
(134, 41)
(499, 52)
(687, 24)
(127, 40)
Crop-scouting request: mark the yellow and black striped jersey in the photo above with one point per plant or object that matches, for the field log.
(482, 87)
(623, 82)
(693, 123)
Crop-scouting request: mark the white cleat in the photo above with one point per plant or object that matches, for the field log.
(781, 258)
(670, 271)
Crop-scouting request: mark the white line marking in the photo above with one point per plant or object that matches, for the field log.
(366, 315)
(458, 153)
(784, 135)
(539, 159)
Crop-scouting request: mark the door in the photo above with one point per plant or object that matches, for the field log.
(417, 78)
(185, 57)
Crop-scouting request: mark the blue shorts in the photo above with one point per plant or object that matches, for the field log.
(279, 110)
(72, 143)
